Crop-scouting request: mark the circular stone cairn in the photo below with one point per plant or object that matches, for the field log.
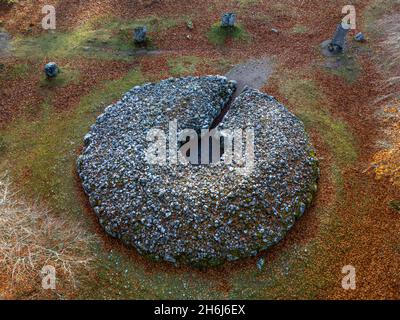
(201, 215)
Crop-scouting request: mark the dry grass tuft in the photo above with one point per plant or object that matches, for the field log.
(31, 238)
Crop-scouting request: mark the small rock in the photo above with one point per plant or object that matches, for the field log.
(260, 264)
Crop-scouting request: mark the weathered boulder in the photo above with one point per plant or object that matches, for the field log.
(197, 214)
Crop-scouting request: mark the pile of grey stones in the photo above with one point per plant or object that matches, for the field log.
(200, 215)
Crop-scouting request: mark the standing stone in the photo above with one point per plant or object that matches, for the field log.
(228, 20)
(140, 34)
(51, 70)
(338, 42)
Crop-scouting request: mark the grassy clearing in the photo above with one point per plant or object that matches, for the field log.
(106, 38)
(219, 35)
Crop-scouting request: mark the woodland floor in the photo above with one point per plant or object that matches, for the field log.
(42, 127)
